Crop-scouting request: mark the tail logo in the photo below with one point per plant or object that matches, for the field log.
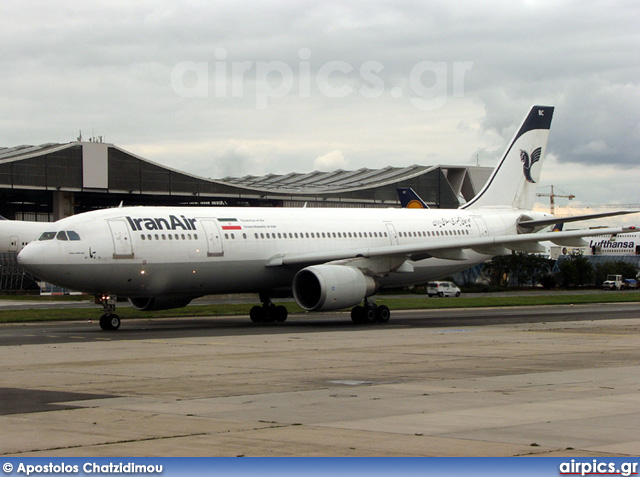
(528, 162)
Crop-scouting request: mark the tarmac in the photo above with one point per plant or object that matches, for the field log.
(533, 388)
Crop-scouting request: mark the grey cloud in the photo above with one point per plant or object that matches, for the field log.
(107, 66)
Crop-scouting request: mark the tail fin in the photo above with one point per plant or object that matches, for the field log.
(409, 199)
(513, 182)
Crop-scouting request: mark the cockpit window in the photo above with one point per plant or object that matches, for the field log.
(47, 236)
(73, 235)
(62, 236)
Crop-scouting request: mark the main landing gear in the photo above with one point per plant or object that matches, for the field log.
(268, 312)
(109, 321)
(370, 313)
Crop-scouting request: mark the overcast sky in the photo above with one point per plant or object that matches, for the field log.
(236, 88)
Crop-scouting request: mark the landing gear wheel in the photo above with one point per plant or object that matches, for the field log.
(383, 314)
(281, 313)
(257, 314)
(110, 322)
(357, 315)
(370, 313)
(268, 312)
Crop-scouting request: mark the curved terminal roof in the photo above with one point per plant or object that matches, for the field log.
(96, 167)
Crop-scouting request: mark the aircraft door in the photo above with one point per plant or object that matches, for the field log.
(122, 247)
(214, 237)
(481, 225)
(393, 235)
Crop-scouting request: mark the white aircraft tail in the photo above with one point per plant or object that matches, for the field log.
(513, 182)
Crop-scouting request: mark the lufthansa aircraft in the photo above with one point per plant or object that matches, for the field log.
(163, 257)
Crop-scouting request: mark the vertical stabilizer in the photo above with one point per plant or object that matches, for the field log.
(513, 182)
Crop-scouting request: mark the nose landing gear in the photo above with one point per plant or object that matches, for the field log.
(109, 321)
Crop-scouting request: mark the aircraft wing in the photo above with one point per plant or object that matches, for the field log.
(530, 224)
(454, 249)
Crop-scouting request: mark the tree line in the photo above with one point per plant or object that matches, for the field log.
(575, 270)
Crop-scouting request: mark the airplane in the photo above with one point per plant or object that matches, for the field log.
(409, 199)
(16, 234)
(163, 257)
(625, 244)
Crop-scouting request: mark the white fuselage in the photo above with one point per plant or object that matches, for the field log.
(151, 251)
(16, 234)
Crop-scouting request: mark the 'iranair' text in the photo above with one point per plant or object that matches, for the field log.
(162, 223)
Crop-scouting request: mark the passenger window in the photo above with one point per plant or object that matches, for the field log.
(62, 236)
(47, 236)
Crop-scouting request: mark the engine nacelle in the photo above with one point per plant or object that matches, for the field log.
(160, 303)
(331, 287)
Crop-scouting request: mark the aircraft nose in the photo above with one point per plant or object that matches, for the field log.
(28, 258)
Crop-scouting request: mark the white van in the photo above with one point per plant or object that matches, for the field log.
(442, 289)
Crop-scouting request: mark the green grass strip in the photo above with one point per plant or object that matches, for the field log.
(59, 314)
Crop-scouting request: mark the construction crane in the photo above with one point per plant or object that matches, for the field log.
(552, 196)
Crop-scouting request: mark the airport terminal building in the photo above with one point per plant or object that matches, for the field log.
(52, 181)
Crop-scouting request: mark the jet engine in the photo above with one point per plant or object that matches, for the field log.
(331, 287)
(160, 302)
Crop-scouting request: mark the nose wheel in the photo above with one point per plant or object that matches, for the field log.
(109, 321)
